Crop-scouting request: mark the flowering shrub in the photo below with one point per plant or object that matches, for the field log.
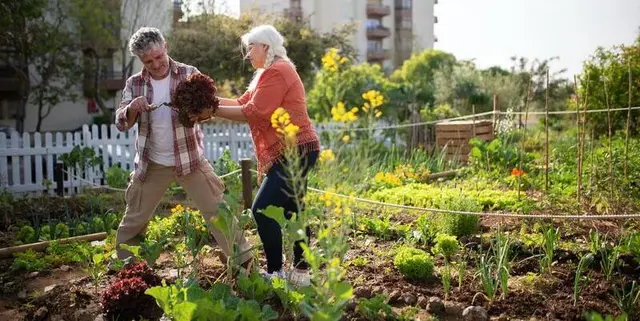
(125, 299)
(140, 270)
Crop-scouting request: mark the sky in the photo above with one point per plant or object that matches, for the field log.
(492, 31)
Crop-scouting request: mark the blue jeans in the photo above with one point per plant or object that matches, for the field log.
(276, 191)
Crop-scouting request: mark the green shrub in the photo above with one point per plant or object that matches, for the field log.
(446, 245)
(414, 264)
(117, 177)
(26, 234)
(459, 224)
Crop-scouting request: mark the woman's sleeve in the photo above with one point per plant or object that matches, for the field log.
(266, 98)
(244, 98)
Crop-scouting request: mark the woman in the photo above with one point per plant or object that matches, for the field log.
(275, 84)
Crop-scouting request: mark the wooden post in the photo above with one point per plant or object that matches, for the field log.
(247, 189)
(58, 176)
(473, 118)
(495, 113)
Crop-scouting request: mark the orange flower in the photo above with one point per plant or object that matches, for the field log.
(517, 172)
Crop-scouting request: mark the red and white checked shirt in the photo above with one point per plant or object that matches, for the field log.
(187, 142)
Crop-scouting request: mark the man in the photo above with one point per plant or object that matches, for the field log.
(166, 151)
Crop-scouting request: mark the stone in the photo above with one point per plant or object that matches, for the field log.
(435, 305)
(363, 292)
(22, 294)
(33, 275)
(394, 296)
(503, 317)
(453, 309)
(409, 298)
(65, 268)
(99, 318)
(40, 314)
(50, 288)
(422, 302)
(82, 315)
(475, 313)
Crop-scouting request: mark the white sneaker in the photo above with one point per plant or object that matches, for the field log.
(277, 274)
(300, 277)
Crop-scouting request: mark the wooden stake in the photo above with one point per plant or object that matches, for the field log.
(524, 135)
(606, 99)
(578, 156)
(247, 189)
(626, 139)
(546, 133)
(58, 176)
(41, 246)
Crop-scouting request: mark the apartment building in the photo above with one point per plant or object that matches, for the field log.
(388, 31)
(114, 68)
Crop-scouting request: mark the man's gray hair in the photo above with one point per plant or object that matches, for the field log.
(144, 39)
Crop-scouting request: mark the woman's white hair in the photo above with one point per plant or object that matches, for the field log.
(266, 35)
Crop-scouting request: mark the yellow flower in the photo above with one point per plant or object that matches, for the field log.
(346, 138)
(378, 114)
(330, 60)
(177, 209)
(327, 155)
(281, 121)
(339, 113)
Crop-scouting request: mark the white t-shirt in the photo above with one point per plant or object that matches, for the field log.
(161, 140)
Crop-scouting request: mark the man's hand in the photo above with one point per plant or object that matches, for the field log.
(140, 105)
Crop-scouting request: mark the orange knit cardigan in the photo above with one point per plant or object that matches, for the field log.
(279, 85)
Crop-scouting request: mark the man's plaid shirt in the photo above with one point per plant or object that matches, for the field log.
(187, 142)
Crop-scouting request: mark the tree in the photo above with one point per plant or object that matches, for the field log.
(610, 68)
(415, 79)
(103, 43)
(211, 42)
(41, 48)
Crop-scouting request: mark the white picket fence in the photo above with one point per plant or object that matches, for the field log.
(27, 161)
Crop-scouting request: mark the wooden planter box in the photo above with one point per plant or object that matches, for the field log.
(455, 136)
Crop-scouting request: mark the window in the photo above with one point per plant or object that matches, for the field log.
(373, 23)
(403, 4)
(404, 23)
(373, 45)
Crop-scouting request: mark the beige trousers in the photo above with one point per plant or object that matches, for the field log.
(202, 185)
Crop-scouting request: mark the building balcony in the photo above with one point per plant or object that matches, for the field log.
(10, 81)
(293, 13)
(378, 32)
(378, 55)
(378, 10)
(112, 81)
